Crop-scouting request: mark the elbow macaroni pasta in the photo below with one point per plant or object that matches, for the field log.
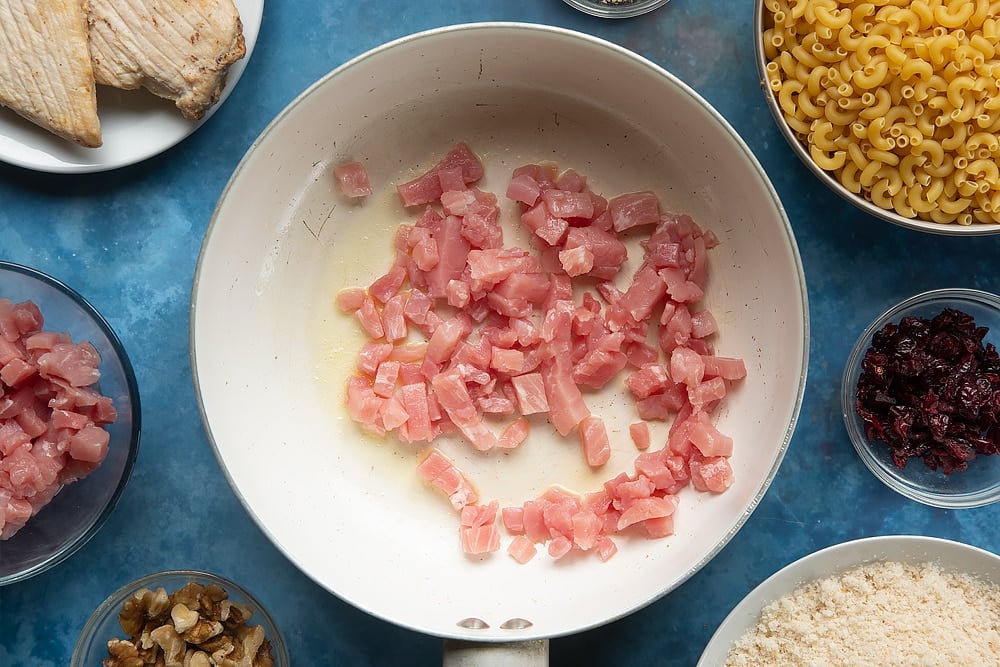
(898, 99)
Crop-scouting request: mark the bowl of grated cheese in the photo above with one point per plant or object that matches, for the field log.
(887, 600)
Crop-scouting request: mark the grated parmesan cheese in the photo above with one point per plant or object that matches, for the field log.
(885, 613)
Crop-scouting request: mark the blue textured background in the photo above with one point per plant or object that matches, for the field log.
(128, 240)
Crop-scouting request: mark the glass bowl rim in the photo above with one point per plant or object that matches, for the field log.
(891, 478)
(67, 549)
(617, 10)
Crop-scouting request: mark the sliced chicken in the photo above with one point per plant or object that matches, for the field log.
(178, 49)
(45, 69)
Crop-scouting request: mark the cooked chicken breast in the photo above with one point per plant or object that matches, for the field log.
(177, 49)
(45, 68)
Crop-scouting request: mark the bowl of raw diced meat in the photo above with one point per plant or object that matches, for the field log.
(518, 327)
(69, 421)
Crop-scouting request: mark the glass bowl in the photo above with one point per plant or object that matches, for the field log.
(948, 555)
(616, 9)
(976, 486)
(80, 508)
(807, 130)
(103, 625)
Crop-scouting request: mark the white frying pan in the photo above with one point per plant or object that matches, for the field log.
(271, 352)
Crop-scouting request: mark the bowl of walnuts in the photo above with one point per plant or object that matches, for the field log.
(180, 617)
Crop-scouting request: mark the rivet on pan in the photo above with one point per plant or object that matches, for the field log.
(516, 624)
(473, 624)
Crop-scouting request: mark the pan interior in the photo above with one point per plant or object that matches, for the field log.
(271, 351)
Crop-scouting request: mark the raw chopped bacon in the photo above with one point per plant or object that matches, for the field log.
(473, 337)
(52, 418)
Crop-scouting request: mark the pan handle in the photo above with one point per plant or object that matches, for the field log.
(533, 653)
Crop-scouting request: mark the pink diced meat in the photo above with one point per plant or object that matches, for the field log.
(514, 434)
(531, 394)
(707, 438)
(639, 431)
(566, 204)
(522, 549)
(451, 393)
(52, 417)
(712, 474)
(577, 261)
(440, 472)
(426, 188)
(727, 368)
(523, 188)
(479, 533)
(464, 328)
(352, 178)
(633, 210)
(594, 437)
(686, 367)
(350, 299)
(414, 400)
(566, 405)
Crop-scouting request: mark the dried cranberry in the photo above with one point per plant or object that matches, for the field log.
(930, 389)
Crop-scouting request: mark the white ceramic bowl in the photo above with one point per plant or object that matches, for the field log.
(761, 21)
(977, 485)
(270, 351)
(80, 509)
(950, 556)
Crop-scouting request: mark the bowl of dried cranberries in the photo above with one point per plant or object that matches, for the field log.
(921, 398)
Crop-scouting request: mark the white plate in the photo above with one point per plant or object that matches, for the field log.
(135, 124)
(912, 549)
(270, 352)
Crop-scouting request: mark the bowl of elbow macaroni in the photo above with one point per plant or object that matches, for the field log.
(895, 106)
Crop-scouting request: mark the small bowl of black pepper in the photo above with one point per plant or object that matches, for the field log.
(921, 398)
(616, 9)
